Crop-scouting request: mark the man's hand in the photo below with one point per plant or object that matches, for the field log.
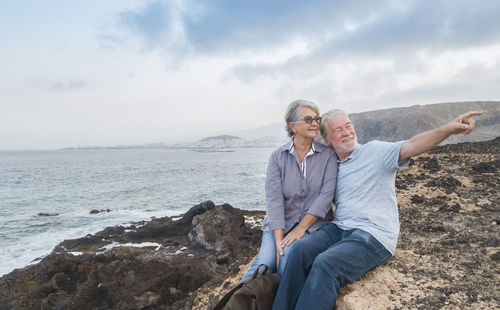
(463, 124)
(427, 140)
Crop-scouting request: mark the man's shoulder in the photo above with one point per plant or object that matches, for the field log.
(375, 149)
(377, 144)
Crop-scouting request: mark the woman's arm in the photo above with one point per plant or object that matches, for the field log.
(321, 205)
(275, 201)
(298, 231)
(323, 202)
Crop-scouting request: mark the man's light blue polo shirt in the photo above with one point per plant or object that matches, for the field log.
(365, 194)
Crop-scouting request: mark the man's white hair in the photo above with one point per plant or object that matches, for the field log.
(324, 129)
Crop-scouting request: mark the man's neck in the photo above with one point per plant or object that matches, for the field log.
(342, 155)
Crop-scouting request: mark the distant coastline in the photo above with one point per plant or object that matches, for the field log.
(214, 142)
(392, 124)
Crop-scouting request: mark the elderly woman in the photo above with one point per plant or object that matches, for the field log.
(300, 184)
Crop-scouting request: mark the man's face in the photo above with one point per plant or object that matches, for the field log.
(341, 135)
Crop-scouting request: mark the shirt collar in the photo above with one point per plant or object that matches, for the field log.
(316, 147)
(353, 155)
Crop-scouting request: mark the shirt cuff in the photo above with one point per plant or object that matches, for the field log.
(319, 212)
(276, 224)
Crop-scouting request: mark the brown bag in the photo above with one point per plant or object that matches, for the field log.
(254, 293)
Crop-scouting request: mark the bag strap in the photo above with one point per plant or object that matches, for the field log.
(226, 297)
(256, 272)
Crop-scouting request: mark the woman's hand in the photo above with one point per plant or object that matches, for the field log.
(295, 234)
(278, 237)
(299, 230)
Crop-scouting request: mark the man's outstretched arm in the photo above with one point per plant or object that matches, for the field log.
(427, 140)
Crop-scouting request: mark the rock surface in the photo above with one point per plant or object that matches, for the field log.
(151, 265)
(447, 258)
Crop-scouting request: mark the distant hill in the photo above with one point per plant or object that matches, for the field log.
(403, 123)
(221, 137)
(227, 141)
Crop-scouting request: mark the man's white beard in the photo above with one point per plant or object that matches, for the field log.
(344, 149)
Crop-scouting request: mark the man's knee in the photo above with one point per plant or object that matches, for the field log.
(297, 248)
(324, 262)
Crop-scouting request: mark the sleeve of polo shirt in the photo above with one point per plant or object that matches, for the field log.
(275, 202)
(323, 203)
(391, 155)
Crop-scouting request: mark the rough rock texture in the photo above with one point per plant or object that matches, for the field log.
(176, 257)
(447, 258)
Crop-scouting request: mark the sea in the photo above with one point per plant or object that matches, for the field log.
(46, 196)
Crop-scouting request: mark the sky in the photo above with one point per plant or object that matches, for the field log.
(119, 72)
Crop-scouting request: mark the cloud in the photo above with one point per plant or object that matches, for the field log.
(65, 85)
(351, 49)
(157, 26)
(361, 27)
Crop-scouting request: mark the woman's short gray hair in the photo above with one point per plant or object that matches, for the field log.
(291, 114)
(323, 127)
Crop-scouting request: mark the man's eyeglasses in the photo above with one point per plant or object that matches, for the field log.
(309, 119)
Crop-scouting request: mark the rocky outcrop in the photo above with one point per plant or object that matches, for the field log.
(150, 265)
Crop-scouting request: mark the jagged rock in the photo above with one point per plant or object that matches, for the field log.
(137, 278)
(217, 231)
(95, 211)
(483, 167)
(417, 199)
(432, 165)
(48, 214)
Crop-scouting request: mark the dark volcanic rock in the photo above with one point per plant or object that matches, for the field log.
(48, 214)
(448, 250)
(483, 167)
(218, 232)
(204, 247)
(432, 165)
(95, 211)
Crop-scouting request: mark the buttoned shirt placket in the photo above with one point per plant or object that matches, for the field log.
(303, 168)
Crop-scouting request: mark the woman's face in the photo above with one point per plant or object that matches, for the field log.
(301, 127)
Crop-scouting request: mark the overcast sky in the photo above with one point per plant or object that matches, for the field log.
(112, 72)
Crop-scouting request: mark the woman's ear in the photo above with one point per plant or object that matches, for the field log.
(291, 125)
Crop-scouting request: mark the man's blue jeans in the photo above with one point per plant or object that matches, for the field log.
(267, 255)
(321, 262)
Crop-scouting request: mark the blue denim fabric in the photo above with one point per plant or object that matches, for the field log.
(323, 261)
(267, 255)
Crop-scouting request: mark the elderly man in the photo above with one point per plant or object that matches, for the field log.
(365, 230)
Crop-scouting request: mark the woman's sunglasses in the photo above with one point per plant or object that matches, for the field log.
(309, 119)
